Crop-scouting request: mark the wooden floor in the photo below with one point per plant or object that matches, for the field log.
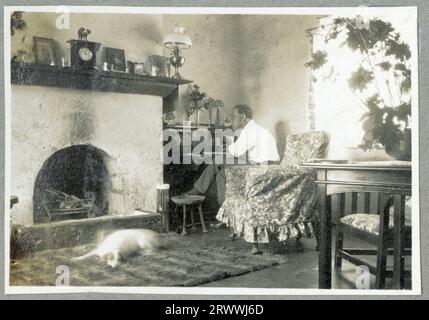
(301, 271)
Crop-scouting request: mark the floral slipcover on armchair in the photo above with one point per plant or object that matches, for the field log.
(276, 202)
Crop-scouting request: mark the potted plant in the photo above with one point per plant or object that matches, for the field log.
(382, 82)
(16, 22)
(199, 100)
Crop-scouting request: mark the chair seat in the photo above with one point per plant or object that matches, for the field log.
(368, 222)
(371, 222)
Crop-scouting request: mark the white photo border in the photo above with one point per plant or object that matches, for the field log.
(415, 264)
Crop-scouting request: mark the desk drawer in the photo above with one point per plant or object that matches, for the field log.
(386, 177)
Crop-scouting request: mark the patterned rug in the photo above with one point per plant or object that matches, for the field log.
(181, 261)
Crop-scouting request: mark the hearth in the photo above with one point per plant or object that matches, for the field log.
(73, 183)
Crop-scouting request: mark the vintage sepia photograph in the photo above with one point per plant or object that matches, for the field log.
(212, 150)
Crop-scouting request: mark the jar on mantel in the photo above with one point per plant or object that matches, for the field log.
(213, 116)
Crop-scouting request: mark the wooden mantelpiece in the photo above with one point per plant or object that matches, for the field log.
(69, 77)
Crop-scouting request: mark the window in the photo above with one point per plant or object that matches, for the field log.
(337, 108)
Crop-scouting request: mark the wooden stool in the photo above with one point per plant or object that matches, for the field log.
(190, 200)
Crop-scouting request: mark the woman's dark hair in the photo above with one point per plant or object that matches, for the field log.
(244, 109)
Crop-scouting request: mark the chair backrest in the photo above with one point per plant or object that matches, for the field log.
(305, 146)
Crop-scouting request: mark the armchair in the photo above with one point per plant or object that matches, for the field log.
(275, 202)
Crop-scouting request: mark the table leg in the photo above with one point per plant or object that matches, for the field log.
(203, 225)
(399, 221)
(325, 254)
(192, 218)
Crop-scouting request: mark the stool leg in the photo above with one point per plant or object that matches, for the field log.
(192, 219)
(184, 232)
(203, 225)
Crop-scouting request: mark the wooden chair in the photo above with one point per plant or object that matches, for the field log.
(375, 228)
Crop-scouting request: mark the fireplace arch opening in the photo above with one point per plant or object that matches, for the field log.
(73, 183)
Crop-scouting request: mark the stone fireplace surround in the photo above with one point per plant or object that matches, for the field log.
(126, 129)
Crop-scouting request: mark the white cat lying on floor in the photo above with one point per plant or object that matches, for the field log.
(122, 244)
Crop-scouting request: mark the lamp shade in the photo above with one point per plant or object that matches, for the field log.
(178, 39)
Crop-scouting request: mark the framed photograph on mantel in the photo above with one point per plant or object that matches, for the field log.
(115, 59)
(45, 51)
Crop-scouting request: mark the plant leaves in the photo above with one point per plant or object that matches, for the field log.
(354, 39)
(360, 79)
(369, 124)
(403, 111)
(340, 21)
(385, 65)
(319, 58)
(379, 30)
(373, 102)
(16, 22)
(332, 35)
(401, 67)
(368, 136)
(365, 115)
(400, 50)
(406, 85)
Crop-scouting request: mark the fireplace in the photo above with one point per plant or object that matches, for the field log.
(73, 183)
(56, 130)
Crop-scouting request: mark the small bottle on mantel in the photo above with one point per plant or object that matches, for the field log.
(227, 122)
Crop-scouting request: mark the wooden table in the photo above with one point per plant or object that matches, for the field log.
(391, 177)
